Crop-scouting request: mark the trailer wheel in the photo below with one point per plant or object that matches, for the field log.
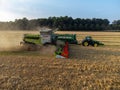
(95, 45)
(86, 44)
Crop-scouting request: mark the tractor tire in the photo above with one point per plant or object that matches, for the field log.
(95, 45)
(85, 43)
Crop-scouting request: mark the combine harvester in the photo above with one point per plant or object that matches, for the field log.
(61, 41)
(46, 37)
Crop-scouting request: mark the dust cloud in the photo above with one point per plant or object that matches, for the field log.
(48, 50)
(10, 40)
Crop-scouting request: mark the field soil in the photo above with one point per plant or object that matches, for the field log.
(87, 68)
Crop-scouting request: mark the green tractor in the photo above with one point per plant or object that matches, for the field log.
(89, 41)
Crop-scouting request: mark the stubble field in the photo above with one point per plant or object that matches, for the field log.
(88, 68)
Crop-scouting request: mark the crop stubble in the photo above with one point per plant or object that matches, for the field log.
(88, 68)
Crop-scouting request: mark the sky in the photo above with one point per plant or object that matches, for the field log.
(33, 9)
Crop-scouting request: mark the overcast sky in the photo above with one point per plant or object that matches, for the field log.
(106, 9)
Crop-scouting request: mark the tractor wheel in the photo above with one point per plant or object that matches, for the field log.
(86, 44)
(95, 45)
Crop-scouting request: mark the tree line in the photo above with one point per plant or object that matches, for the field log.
(62, 23)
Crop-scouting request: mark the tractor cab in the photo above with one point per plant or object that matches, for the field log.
(88, 38)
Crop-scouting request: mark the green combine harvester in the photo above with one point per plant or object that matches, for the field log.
(61, 41)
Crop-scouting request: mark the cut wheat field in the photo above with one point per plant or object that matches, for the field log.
(87, 68)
